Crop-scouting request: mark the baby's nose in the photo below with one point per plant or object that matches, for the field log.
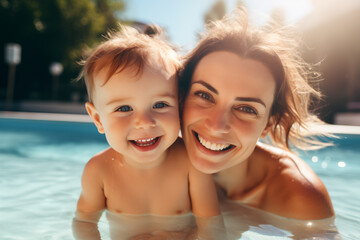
(144, 120)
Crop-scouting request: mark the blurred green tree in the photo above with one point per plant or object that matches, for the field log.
(51, 31)
(216, 12)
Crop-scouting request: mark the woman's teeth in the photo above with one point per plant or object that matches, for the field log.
(212, 146)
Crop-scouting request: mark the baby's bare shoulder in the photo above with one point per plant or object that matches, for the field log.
(177, 152)
(99, 161)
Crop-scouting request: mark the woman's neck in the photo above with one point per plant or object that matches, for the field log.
(243, 177)
(233, 179)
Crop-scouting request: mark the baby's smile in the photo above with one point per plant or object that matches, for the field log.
(146, 144)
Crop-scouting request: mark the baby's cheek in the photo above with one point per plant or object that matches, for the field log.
(170, 119)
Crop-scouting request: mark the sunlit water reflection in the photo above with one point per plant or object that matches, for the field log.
(40, 169)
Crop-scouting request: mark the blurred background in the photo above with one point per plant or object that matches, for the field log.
(41, 42)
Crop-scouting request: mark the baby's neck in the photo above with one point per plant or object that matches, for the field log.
(134, 165)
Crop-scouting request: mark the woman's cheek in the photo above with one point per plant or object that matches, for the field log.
(249, 129)
(191, 113)
(188, 106)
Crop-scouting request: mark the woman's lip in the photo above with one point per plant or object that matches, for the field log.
(218, 149)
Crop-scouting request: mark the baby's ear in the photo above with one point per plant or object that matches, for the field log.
(90, 108)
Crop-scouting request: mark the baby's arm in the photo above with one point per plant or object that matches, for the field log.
(202, 189)
(91, 202)
(205, 206)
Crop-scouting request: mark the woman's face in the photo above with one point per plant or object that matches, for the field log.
(226, 111)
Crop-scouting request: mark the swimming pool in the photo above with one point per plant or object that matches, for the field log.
(41, 164)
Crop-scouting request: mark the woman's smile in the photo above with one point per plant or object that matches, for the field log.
(212, 146)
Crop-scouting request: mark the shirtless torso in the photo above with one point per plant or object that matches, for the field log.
(165, 189)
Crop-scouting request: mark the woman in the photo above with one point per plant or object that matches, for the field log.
(240, 85)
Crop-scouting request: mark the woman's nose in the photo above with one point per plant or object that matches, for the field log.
(144, 120)
(218, 121)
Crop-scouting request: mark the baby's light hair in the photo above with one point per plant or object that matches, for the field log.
(128, 48)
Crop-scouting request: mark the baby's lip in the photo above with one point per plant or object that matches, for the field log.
(146, 144)
(217, 146)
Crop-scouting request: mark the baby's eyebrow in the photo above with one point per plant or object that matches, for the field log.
(208, 86)
(167, 95)
(117, 100)
(164, 95)
(250, 99)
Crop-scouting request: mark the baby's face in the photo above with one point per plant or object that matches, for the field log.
(139, 114)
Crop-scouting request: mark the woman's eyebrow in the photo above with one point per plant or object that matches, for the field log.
(208, 86)
(250, 99)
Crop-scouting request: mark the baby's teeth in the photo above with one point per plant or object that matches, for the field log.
(145, 140)
(212, 146)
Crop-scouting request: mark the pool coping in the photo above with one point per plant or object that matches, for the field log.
(66, 117)
(62, 117)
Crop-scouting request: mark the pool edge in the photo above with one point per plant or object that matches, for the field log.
(63, 117)
(66, 117)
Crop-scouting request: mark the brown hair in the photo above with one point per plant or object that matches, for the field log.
(128, 48)
(290, 120)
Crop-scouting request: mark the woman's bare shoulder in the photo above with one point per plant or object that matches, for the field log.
(295, 191)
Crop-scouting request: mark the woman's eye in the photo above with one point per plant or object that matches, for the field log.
(247, 109)
(205, 96)
(124, 108)
(160, 105)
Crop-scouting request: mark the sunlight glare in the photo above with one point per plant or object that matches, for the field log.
(294, 9)
(341, 164)
(315, 159)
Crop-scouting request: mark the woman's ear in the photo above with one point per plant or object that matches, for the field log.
(90, 108)
(267, 128)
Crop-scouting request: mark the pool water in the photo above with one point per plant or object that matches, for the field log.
(41, 163)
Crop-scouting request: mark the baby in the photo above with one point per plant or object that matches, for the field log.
(133, 100)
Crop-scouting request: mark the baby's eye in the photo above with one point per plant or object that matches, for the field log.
(247, 109)
(205, 96)
(125, 108)
(160, 105)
